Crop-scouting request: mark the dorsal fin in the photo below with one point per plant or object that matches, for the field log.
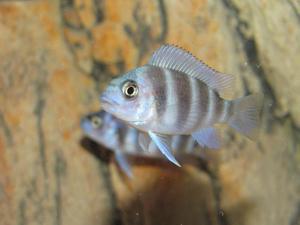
(175, 58)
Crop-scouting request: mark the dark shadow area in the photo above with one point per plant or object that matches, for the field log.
(189, 195)
(104, 155)
(180, 197)
(96, 150)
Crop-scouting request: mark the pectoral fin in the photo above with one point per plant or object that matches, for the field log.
(163, 143)
(123, 163)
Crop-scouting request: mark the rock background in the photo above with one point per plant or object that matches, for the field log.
(56, 56)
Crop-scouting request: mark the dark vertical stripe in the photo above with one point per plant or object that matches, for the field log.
(190, 145)
(159, 86)
(219, 108)
(183, 94)
(184, 143)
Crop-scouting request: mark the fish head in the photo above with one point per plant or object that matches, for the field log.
(129, 97)
(101, 127)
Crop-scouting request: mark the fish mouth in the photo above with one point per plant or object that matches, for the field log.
(107, 101)
(85, 127)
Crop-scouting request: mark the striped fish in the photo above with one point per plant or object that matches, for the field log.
(177, 94)
(122, 139)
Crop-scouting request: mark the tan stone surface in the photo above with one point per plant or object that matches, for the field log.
(46, 177)
(56, 56)
(274, 26)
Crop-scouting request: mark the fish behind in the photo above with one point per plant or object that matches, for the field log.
(177, 94)
(122, 139)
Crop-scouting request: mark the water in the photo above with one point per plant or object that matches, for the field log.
(56, 58)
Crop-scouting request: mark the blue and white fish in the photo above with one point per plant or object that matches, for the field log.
(177, 94)
(122, 139)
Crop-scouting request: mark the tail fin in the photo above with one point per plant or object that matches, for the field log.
(246, 115)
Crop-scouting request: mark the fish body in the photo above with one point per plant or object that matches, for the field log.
(183, 104)
(122, 139)
(176, 94)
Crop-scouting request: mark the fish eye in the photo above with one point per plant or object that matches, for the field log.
(96, 121)
(130, 89)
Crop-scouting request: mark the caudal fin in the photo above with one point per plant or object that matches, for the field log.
(246, 115)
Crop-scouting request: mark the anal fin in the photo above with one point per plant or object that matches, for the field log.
(207, 137)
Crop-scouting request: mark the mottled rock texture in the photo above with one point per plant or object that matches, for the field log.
(55, 58)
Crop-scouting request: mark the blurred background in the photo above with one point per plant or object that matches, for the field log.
(57, 56)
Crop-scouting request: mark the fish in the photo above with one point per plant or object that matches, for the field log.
(177, 94)
(114, 134)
